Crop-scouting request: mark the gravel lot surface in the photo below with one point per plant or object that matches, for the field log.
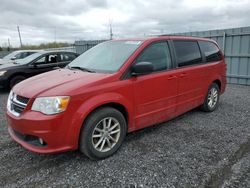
(196, 149)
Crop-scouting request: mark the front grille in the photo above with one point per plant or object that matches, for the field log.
(21, 99)
(17, 104)
(16, 108)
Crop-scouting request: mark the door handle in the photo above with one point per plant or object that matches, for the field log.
(182, 75)
(172, 77)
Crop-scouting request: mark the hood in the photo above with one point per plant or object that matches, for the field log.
(58, 83)
(7, 64)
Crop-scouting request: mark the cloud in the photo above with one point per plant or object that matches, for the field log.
(66, 20)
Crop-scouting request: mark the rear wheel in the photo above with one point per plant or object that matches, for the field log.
(212, 99)
(103, 133)
(15, 80)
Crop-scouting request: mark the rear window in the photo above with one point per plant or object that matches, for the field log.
(211, 51)
(187, 53)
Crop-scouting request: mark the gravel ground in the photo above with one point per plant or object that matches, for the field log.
(196, 149)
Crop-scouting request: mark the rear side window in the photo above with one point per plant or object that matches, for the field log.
(211, 51)
(157, 54)
(67, 57)
(187, 53)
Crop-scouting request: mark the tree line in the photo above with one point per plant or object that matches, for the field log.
(38, 47)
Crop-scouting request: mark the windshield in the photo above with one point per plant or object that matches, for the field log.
(106, 57)
(29, 58)
(11, 55)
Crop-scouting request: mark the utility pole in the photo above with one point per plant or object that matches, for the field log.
(55, 39)
(110, 30)
(55, 34)
(19, 36)
(9, 42)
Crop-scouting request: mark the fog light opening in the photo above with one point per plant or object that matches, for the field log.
(41, 141)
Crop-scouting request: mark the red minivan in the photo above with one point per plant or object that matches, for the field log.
(116, 87)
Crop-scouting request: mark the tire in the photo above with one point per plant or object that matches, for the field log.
(212, 98)
(95, 141)
(15, 80)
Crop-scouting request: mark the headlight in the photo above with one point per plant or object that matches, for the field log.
(50, 105)
(2, 73)
(10, 98)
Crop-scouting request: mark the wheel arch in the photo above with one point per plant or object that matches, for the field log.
(16, 74)
(218, 82)
(113, 100)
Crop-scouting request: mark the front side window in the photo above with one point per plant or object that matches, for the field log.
(41, 60)
(19, 55)
(187, 53)
(106, 57)
(52, 58)
(157, 54)
(211, 51)
(11, 55)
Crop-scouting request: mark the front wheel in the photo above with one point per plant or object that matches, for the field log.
(102, 133)
(212, 99)
(15, 80)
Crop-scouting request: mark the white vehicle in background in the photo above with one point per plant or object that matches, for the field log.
(16, 55)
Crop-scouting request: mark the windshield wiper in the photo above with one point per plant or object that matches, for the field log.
(81, 68)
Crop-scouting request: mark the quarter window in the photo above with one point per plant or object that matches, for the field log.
(157, 54)
(211, 51)
(187, 52)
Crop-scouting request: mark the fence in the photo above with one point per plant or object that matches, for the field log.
(83, 45)
(235, 44)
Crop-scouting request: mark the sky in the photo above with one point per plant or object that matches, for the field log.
(42, 21)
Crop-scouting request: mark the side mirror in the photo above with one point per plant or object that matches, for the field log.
(13, 58)
(142, 68)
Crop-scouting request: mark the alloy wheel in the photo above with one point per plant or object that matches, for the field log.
(106, 134)
(212, 97)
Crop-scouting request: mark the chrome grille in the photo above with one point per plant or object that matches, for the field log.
(21, 99)
(16, 104)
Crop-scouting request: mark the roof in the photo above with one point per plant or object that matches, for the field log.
(166, 37)
(27, 51)
(54, 51)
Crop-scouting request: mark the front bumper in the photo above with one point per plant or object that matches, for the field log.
(53, 130)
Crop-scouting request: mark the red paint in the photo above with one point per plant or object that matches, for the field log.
(148, 99)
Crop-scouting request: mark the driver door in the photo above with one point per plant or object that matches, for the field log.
(44, 64)
(155, 94)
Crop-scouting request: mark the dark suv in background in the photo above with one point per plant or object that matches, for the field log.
(37, 63)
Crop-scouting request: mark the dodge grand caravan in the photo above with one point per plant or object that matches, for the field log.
(115, 87)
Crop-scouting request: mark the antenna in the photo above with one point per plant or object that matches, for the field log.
(19, 36)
